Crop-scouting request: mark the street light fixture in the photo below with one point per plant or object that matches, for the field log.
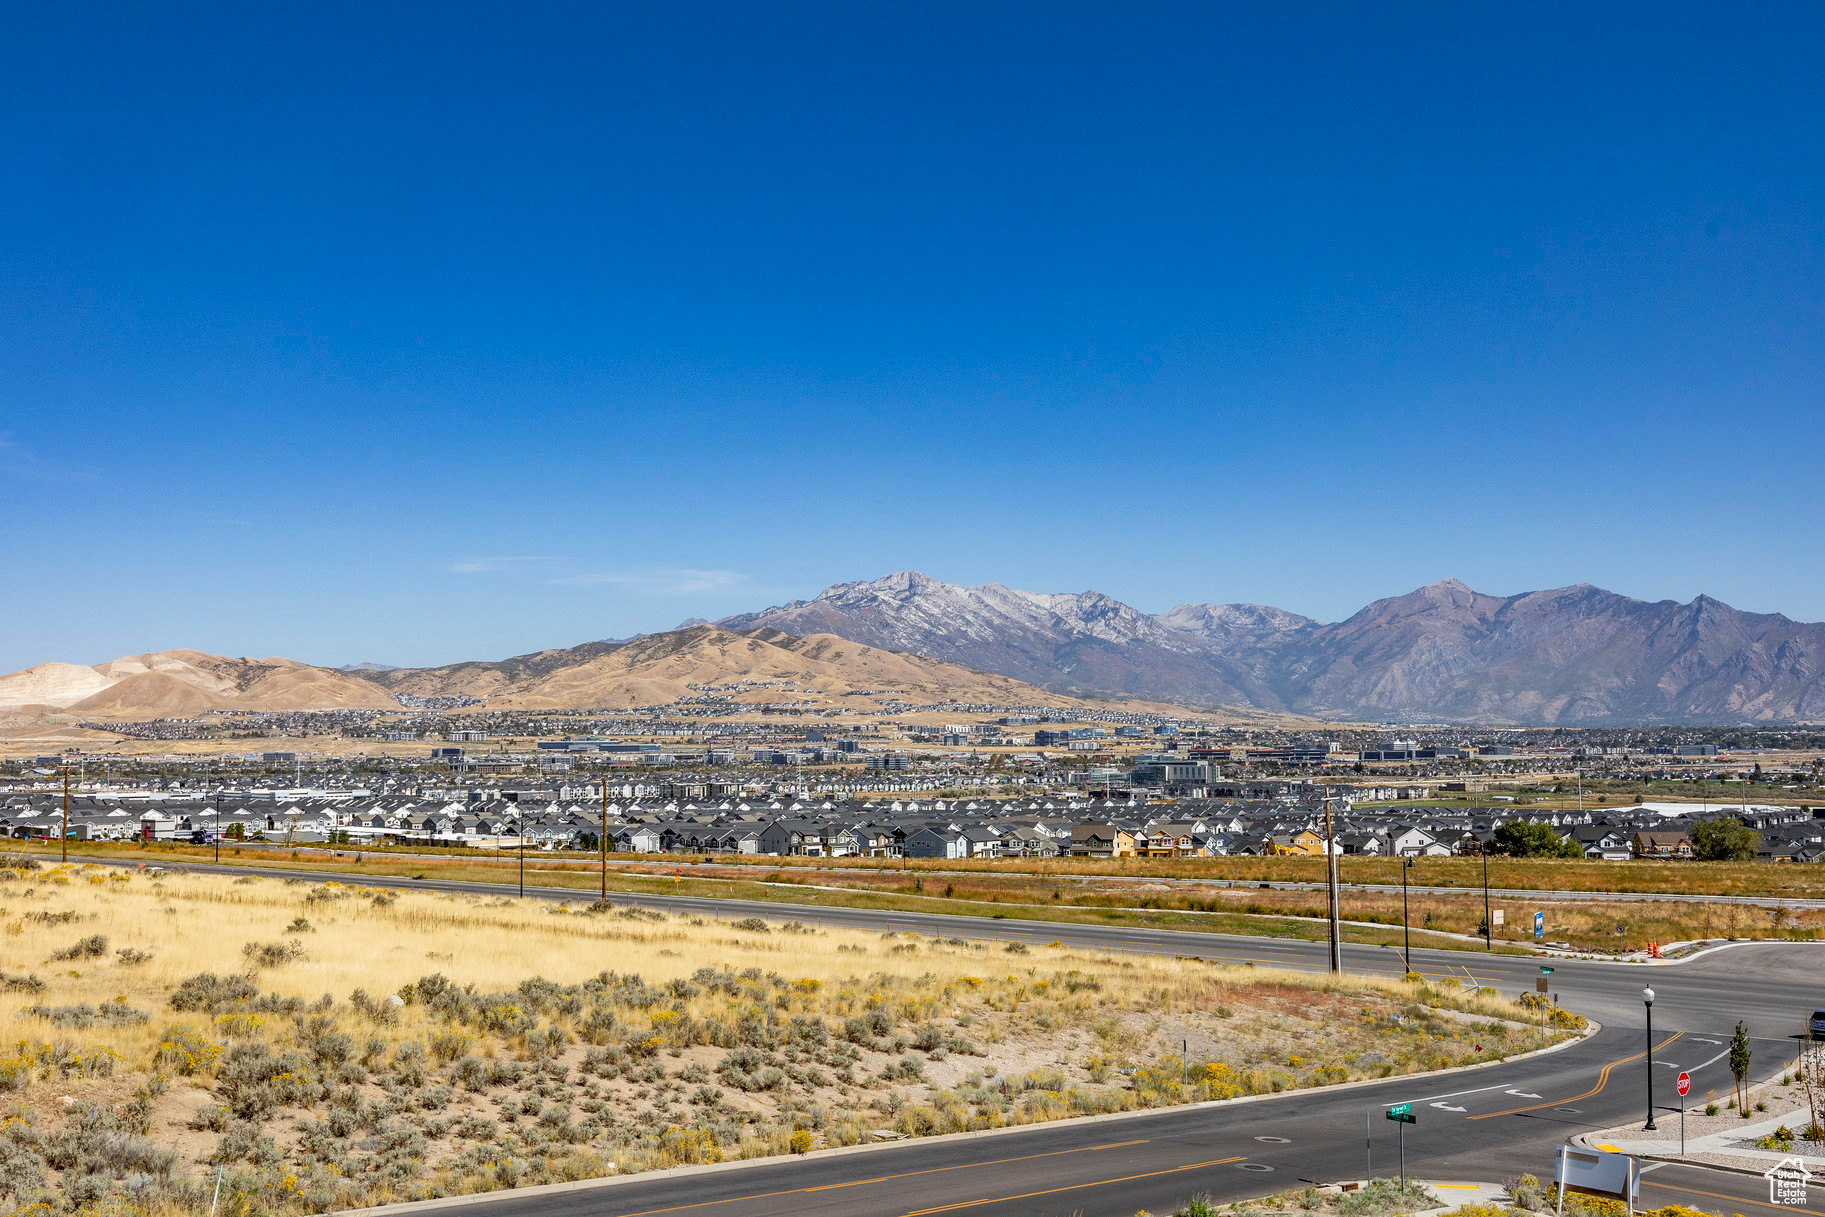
(1647, 1000)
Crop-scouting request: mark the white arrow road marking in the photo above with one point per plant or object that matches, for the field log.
(1458, 1094)
(1695, 1068)
(1521, 1094)
(1447, 1107)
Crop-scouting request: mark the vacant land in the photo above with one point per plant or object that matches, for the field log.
(1586, 923)
(1219, 906)
(1671, 878)
(329, 1047)
(1532, 874)
(568, 870)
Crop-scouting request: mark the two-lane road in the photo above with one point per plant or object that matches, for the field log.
(1478, 1125)
(1482, 1124)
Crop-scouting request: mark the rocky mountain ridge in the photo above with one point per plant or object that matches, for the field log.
(1575, 655)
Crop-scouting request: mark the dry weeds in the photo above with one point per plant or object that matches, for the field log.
(329, 1046)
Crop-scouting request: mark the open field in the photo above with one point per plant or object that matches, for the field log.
(1673, 878)
(558, 870)
(1585, 924)
(328, 1046)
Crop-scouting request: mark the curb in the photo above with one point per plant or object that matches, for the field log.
(609, 1181)
(1703, 1166)
(1584, 1140)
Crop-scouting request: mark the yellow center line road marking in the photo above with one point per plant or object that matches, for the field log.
(1602, 1081)
(1758, 1204)
(1053, 1191)
(936, 1170)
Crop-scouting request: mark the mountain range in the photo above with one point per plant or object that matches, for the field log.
(1578, 656)
(1443, 653)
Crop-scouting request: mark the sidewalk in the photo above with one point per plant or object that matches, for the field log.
(1713, 1149)
(1724, 1140)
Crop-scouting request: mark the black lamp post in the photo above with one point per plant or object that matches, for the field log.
(217, 834)
(1647, 1000)
(522, 818)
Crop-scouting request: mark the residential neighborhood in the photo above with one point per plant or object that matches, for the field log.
(1269, 818)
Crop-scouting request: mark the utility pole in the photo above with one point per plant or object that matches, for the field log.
(66, 813)
(1406, 922)
(1488, 928)
(1330, 862)
(604, 842)
(1483, 848)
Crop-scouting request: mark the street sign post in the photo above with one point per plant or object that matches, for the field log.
(1402, 1115)
(1684, 1086)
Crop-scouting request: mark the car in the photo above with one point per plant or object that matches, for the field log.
(1816, 1024)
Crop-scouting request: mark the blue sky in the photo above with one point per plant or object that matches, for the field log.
(416, 334)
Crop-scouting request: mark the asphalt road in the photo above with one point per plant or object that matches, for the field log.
(1486, 1124)
(1479, 1125)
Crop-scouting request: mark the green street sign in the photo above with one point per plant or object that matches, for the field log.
(1545, 971)
(1403, 1113)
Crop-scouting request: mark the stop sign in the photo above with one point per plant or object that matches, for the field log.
(1685, 1084)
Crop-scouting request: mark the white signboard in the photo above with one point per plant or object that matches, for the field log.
(1596, 1173)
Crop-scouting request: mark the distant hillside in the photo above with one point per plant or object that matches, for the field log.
(657, 668)
(1576, 655)
(651, 669)
(182, 683)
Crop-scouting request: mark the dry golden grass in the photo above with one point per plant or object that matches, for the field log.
(536, 1044)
